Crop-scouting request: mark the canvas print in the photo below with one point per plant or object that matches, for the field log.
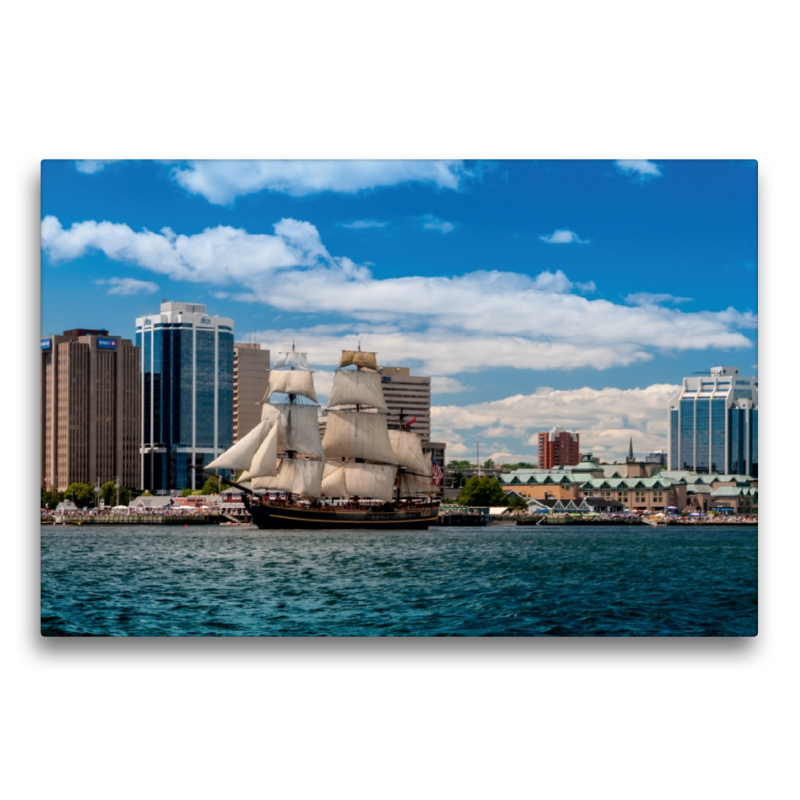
(511, 398)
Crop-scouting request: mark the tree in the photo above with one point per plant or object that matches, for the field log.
(51, 498)
(517, 503)
(211, 486)
(482, 492)
(82, 494)
(459, 465)
(488, 464)
(186, 492)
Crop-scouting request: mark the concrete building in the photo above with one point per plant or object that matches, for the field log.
(558, 448)
(186, 361)
(410, 396)
(91, 409)
(250, 382)
(713, 424)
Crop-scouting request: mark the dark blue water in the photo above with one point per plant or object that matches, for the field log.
(497, 581)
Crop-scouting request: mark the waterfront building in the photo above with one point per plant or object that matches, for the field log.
(186, 361)
(558, 448)
(713, 424)
(250, 383)
(91, 409)
(409, 395)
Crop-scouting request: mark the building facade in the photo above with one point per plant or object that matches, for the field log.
(91, 409)
(186, 362)
(410, 396)
(250, 383)
(558, 448)
(713, 424)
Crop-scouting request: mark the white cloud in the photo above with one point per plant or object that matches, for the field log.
(221, 182)
(561, 236)
(89, 167)
(648, 299)
(639, 169)
(432, 223)
(605, 419)
(442, 385)
(450, 324)
(362, 224)
(128, 286)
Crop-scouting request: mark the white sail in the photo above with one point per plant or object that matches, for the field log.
(361, 358)
(298, 429)
(407, 449)
(295, 475)
(240, 456)
(292, 382)
(415, 484)
(296, 360)
(352, 434)
(265, 461)
(357, 387)
(360, 480)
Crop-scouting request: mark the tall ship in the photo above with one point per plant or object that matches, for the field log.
(359, 475)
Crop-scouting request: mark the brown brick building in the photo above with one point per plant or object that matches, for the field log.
(250, 382)
(558, 448)
(91, 409)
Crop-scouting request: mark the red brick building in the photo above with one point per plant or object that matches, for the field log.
(558, 448)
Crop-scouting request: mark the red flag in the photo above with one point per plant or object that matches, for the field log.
(410, 422)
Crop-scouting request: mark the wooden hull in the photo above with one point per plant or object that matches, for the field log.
(276, 516)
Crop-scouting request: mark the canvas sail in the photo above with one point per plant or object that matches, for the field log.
(298, 429)
(295, 475)
(296, 360)
(265, 461)
(351, 434)
(407, 449)
(359, 358)
(240, 456)
(360, 480)
(415, 484)
(356, 387)
(292, 382)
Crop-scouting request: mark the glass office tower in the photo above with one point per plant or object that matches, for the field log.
(187, 394)
(713, 424)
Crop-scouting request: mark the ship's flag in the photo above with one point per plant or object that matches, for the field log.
(436, 472)
(410, 422)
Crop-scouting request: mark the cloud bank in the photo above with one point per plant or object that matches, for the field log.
(560, 236)
(128, 286)
(221, 182)
(450, 324)
(640, 170)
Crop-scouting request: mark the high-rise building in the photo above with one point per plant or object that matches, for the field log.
(186, 361)
(410, 396)
(713, 424)
(91, 409)
(558, 448)
(250, 382)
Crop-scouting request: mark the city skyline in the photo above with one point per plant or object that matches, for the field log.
(573, 294)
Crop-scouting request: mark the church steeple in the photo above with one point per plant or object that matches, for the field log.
(630, 450)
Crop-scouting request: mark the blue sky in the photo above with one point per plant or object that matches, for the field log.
(535, 293)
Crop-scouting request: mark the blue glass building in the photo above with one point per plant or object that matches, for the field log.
(187, 394)
(713, 424)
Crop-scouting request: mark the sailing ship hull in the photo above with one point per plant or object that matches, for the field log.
(274, 516)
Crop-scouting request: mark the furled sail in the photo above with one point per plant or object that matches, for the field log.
(292, 382)
(356, 387)
(296, 360)
(298, 428)
(295, 475)
(350, 434)
(407, 449)
(240, 456)
(361, 358)
(415, 484)
(360, 480)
